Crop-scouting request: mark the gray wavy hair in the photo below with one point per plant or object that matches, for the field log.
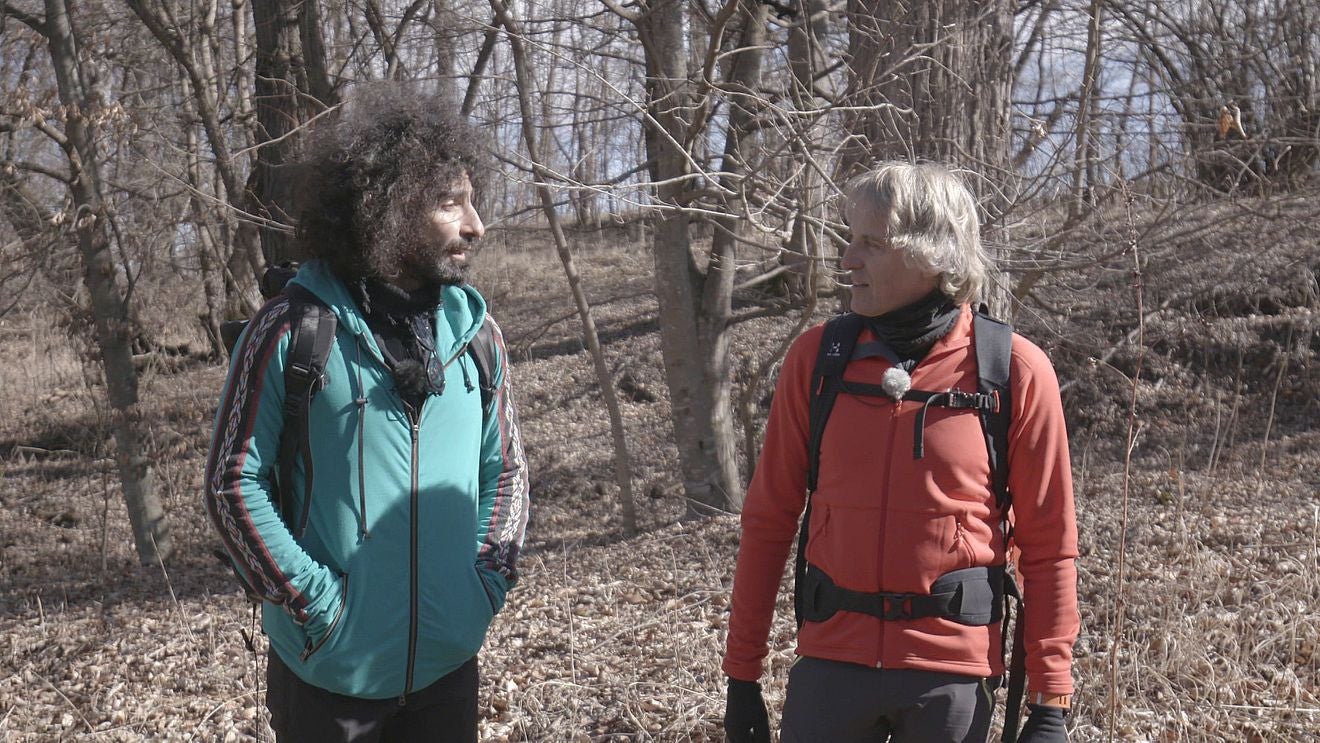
(931, 217)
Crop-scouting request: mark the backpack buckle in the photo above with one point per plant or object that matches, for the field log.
(960, 400)
(301, 371)
(898, 606)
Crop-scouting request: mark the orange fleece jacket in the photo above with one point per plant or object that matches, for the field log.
(884, 521)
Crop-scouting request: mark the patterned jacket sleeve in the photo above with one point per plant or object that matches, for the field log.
(503, 500)
(238, 491)
(1045, 523)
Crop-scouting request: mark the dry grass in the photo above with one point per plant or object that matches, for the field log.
(607, 639)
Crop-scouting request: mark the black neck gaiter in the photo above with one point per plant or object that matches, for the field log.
(403, 323)
(911, 331)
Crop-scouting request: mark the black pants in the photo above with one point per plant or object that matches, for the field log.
(832, 702)
(444, 712)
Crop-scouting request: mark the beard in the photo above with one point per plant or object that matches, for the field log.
(444, 266)
(427, 263)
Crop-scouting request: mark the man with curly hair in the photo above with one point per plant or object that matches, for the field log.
(409, 504)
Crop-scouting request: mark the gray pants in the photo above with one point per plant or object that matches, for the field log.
(833, 702)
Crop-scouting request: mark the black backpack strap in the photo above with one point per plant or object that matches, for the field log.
(230, 331)
(1017, 665)
(311, 333)
(836, 350)
(994, 346)
(482, 350)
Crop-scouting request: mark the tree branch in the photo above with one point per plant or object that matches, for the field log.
(31, 21)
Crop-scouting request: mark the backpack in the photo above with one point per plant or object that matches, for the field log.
(992, 401)
(311, 334)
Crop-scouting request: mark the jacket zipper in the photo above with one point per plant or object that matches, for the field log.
(884, 516)
(962, 541)
(309, 649)
(412, 564)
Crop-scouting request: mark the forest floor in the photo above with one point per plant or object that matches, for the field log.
(1199, 577)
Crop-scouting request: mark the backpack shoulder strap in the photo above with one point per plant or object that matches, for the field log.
(836, 350)
(482, 350)
(311, 333)
(994, 345)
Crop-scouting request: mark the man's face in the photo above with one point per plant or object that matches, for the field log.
(448, 230)
(882, 280)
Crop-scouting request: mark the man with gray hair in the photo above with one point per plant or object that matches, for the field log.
(902, 428)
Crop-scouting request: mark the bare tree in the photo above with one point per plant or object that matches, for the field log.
(604, 380)
(293, 85)
(82, 109)
(929, 80)
(1258, 58)
(695, 300)
(193, 48)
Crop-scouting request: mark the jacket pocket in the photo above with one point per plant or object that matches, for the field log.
(312, 646)
(493, 593)
(962, 551)
(845, 543)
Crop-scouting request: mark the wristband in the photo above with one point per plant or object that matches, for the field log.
(1056, 700)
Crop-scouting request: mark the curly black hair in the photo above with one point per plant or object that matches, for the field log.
(389, 157)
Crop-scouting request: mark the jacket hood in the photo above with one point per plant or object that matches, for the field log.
(462, 308)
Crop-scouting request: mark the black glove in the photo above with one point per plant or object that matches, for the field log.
(1044, 725)
(745, 720)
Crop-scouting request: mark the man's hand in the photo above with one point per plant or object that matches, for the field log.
(745, 719)
(1044, 725)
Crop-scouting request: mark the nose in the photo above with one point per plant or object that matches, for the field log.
(473, 228)
(849, 260)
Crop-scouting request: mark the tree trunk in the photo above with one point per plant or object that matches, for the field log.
(808, 61)
(290, 74)
(1083, 183)
(693, 320)
(114, 330)
(208, 253)
(743, 79)
(933, 81)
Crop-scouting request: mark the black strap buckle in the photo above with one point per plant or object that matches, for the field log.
(302, 371)
(895, 606)
(962, 400)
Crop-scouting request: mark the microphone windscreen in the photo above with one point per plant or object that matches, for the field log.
(896, 382)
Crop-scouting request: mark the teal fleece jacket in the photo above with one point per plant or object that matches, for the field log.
(414, 529)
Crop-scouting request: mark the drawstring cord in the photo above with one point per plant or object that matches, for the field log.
(361, 402)
(467, 379)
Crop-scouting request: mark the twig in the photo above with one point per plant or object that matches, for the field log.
(90, 729)
(1257, 708)
(1132, 433)
(105, 521)
(219, 707)
(170, 585)
(1269, 422)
